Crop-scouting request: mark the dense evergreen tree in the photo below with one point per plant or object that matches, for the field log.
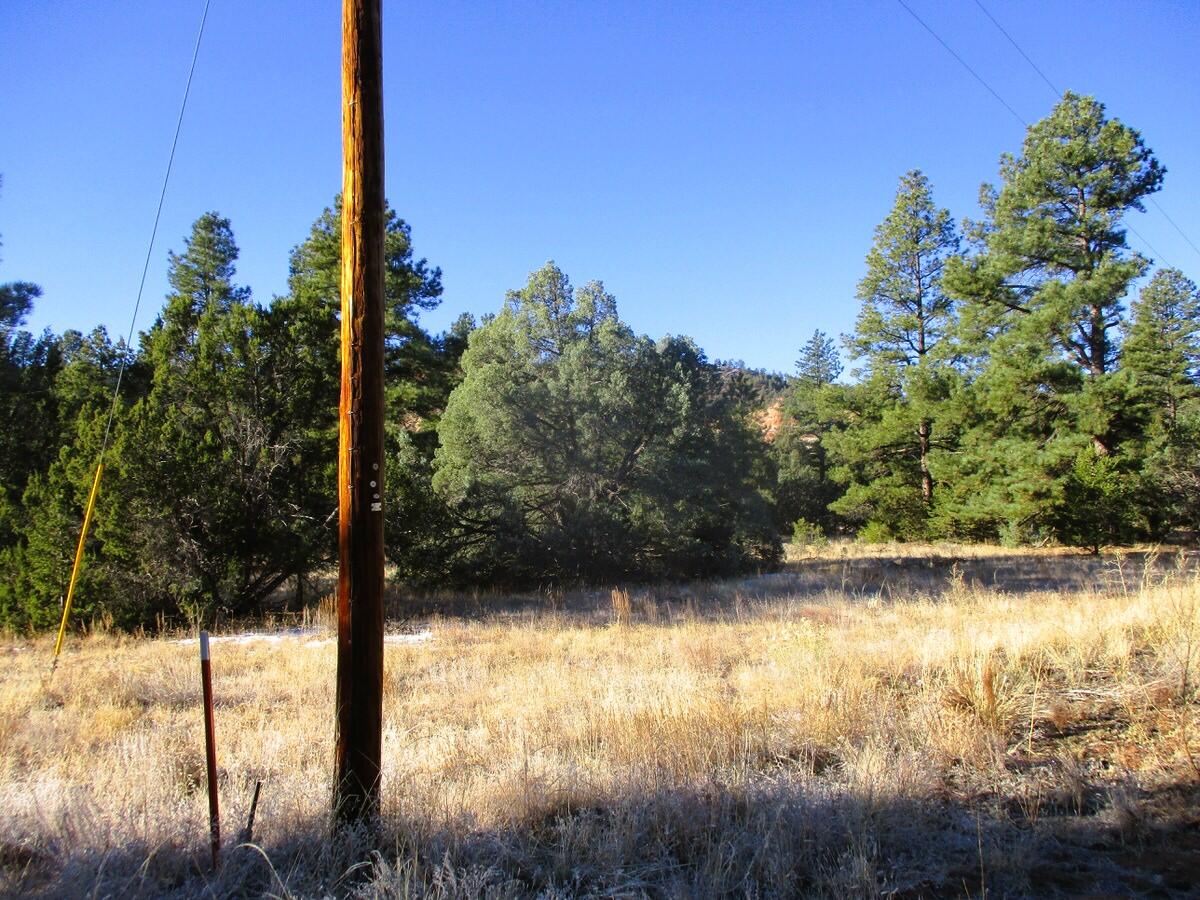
(38, 564)
(417, 383)
(1161, 353)
(1162, 343)
(900, 338)
(28, 415)
(804, 489)
(1041, 305)
(53, 502)
(420, 371)
(574, 449)
(1098, 504)
(201, 456)
(819, 363)
(1171, 475)
(1055, 264)
(29, 432)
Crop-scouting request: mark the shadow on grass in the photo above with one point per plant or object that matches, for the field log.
(891, 576)
(883, 576)
(776, 838)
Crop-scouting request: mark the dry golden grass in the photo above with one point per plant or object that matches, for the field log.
(756, 737)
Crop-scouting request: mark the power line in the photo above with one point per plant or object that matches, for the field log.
(1057, 93)
(964, 64)
(1158, 256)
(1173, 225)
(1017, 46)
(112, 410)
(1016, 114)
(154, 231)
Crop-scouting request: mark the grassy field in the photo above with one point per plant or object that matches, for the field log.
(910, 722)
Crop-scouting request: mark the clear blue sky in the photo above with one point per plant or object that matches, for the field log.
(720, 166)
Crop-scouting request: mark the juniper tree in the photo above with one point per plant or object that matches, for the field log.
(192, 516)
(575, 449)
(29, 434)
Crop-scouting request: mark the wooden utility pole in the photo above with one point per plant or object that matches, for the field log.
(358, 747)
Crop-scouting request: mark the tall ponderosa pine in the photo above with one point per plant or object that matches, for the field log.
(1041, 306)
(311, 308)
(1055, 265)
(819, 363)
(884, 452)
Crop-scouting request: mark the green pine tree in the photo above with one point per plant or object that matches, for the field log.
(1162, 343)
(1161, 353)
(203, 458)
(885, 451)
(52, 503)
(29, 436)
(803, 487)
(1041, 308)
(420, 372)
(819, 363)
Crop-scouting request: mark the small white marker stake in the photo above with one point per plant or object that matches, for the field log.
(210, 747)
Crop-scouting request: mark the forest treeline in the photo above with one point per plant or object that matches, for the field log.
(1008, 384)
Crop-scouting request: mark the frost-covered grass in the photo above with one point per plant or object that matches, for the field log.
(862, 723)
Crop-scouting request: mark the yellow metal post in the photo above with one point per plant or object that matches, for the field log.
(87, 521)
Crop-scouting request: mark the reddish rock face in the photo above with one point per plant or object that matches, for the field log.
(770, 420)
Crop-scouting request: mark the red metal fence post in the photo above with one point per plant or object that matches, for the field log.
(210, 747)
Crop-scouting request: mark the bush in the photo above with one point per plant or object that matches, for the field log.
(875, 533)
(808, 534)
(1097, 504)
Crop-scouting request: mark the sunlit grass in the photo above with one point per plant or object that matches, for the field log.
(835, 743)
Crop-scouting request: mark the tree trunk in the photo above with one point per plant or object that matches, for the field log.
(923, 432)
(1098, 347)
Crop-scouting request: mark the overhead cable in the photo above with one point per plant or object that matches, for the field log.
(1058, 93)
(112, 410)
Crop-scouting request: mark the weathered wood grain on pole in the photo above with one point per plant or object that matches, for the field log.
(358, 746)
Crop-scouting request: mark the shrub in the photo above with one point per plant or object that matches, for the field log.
(875, 533)
(808, 534)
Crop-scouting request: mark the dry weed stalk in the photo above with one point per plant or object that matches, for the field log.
(622, 606)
